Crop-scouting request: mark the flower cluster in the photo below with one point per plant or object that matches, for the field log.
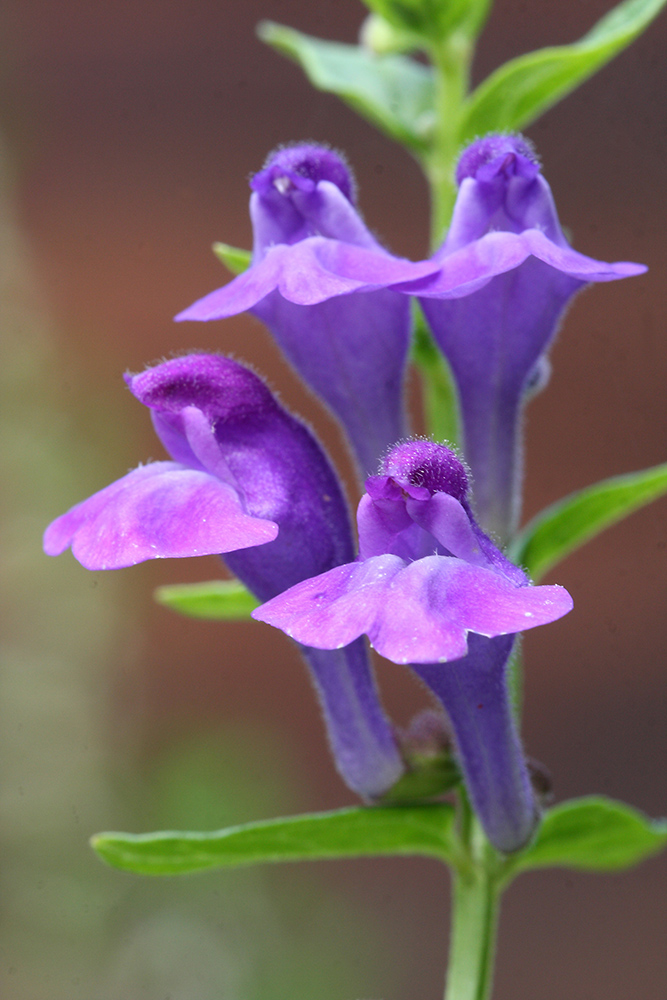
(430, 586)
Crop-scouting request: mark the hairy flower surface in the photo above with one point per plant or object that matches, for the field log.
(496, 338)
(311, 247)
(429, 587)
(249, 480)
(493, 294)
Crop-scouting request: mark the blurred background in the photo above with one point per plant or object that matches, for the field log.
(129, 131)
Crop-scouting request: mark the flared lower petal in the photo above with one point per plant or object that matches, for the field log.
(360, 735)
(158, 511)
(577, 265)
(473, 692)
(469, 268)
(416, 613)
(332, 610)
(306, 273)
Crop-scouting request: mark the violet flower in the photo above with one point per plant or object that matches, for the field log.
(311, 248)
(249, 480)
(327, 290)
(429, 587)
(496, 338)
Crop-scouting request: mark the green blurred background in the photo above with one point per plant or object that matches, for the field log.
(128, 134)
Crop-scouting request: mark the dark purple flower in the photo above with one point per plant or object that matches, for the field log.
(496, 338)
(429, 587)
(311, 248)
(249, 480)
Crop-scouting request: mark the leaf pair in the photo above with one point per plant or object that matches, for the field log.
(396, 93)
(591, 834)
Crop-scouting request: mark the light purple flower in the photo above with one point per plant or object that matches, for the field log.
(311, 249)
(496, 338)
(429, 587)
(327, 290)
(249, 480)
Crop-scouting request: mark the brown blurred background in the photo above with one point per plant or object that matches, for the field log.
(130, 130)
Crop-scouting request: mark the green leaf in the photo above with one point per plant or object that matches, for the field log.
(225, 600)
(394, 92)
(568, 523)
(521, 90)
(593, 834)
(432, 20)
(235, 259)
(347, 833)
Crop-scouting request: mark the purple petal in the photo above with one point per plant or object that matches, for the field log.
(445, 518)
(577, 265)
(433, 603)
(352, 351)
(493, 340)
(331, 610)
(381, 523)
(223, 416)
(361, 737)
(220, 387)
(322, 211)
(419, 613)
(158, 511)
(469, 268)
(473, 691)
(307, 273)
(302, 167)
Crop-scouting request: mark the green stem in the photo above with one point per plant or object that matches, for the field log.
(477, 884)
(451, 61)
(475, 899)
(441, 409)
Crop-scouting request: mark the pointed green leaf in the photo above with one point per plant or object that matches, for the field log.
(521, 90)
(347, 833)
(235, 260)
(226, 600)
(593, 834)
(394, 92)
(568, 523)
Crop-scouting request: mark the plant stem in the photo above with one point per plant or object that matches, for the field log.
(441, 410)
(475, 899)
(451, 61)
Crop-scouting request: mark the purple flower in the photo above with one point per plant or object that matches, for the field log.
(249, 480)
(429, 587)
(311, 249)
(496, 338)
(328, 292)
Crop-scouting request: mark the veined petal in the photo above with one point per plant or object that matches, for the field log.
(433, 603)
(306, 273)
(416, 613)
(577, 265)
(471, 267)
(158, 511)
(331, 610)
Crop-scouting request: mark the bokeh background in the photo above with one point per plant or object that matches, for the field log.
(128, 134)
